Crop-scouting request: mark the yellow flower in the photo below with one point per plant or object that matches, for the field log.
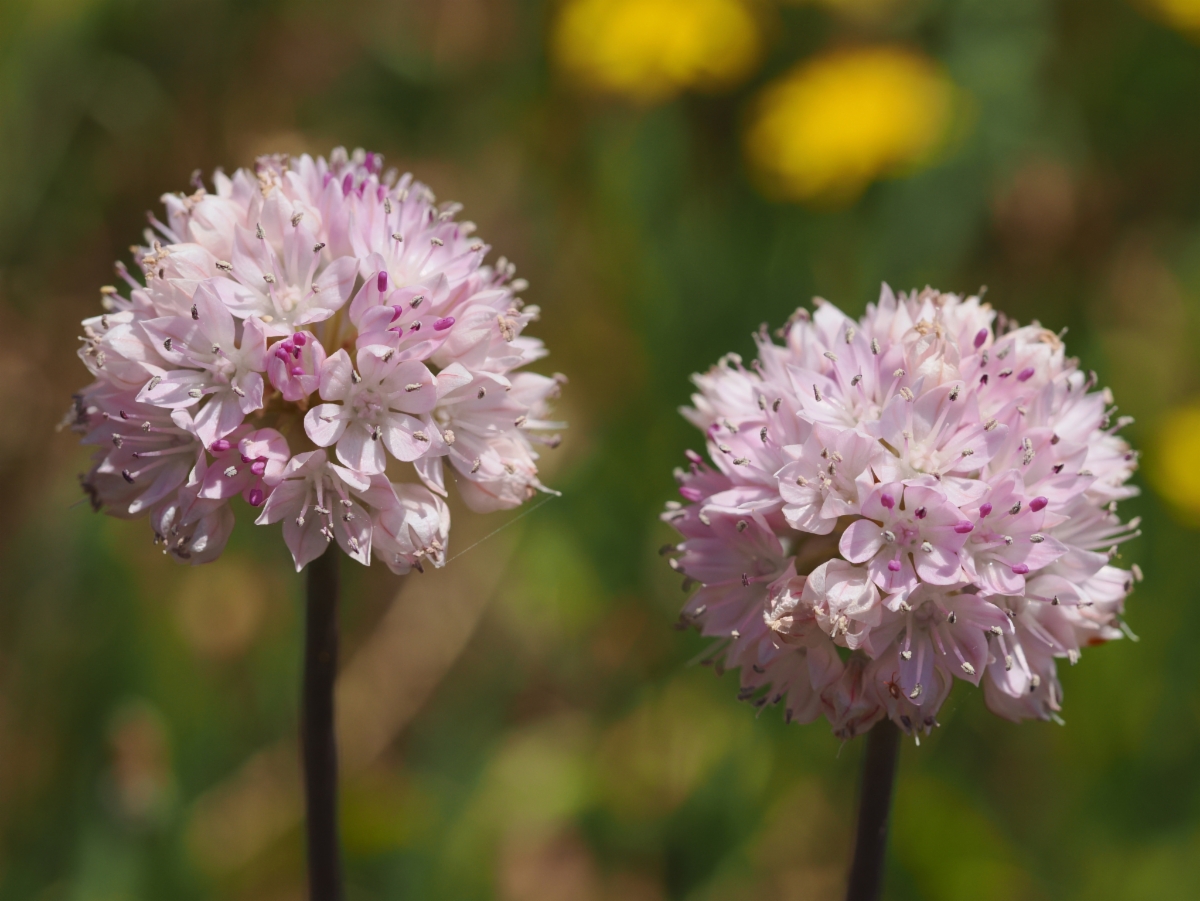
(862, 10)
(1181, 14)
(839, 121)
(651, 50)
(1175, 473)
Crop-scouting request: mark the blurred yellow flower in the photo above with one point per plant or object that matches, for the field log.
(863, 10)
(651, 50)
(1175, 473)
(837, 122)
(1181, 14)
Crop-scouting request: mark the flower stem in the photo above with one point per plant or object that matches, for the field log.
(874, 805)
(318, 740)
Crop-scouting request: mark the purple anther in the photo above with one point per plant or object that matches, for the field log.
(296, 371)
(962, 527)
(1038, 503)
(894, 566)
(1020, 569)
(1025, 374)
(983, 380)
(299, 339)
(381, 282)
(985, 510)
(347, 183)
(281, 354)
(921, 513)
(256, 497)
(397, 312)
(887, 500)
(221, 445)
(691, 494)
(416, 326)
(980, 337)
(259, 466)
(327, 179)
(444, 323)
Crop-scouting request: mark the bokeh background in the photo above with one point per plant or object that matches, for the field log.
(668, 174)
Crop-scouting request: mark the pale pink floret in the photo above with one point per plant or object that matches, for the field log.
(375, 410)
(928, 488)
(315, 298)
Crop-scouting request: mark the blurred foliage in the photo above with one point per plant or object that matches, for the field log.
(524, 724)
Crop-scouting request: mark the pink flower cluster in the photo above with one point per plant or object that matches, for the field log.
(298, 334)
(924, 494)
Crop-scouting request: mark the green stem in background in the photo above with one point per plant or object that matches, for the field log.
(874, 805)
(318, 741)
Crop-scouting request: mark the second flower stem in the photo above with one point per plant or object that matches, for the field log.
(318, 739)
(874, 806)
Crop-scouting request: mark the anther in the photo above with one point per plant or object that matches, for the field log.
(195, 312)
(968, 669)
(875, 346)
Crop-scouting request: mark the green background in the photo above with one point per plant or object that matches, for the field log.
(530, 727)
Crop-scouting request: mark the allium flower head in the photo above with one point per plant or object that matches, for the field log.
(925, 494)
(320, 338)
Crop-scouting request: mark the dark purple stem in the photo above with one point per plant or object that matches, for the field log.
(318, 740)
(874, 805)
